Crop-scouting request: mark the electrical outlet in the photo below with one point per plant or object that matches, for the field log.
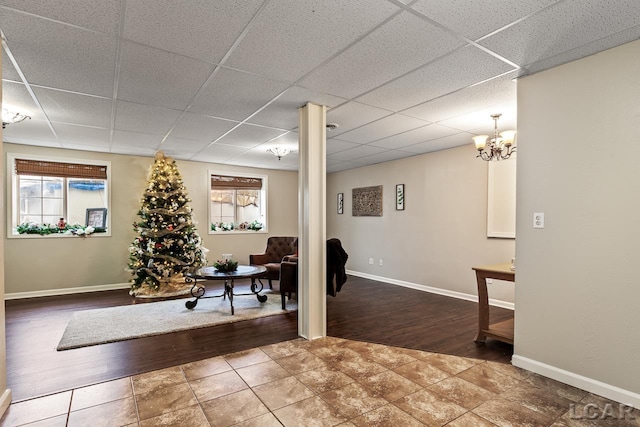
(380, 262)
(371, 261)
(538, 220)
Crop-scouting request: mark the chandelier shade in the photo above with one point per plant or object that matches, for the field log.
(499, 147)
(279, 152)
(10, 117)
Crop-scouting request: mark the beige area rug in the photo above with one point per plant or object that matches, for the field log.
(105, 325)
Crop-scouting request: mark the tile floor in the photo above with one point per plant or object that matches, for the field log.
(325, 382)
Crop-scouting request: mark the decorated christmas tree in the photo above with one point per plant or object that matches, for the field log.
(167, 245)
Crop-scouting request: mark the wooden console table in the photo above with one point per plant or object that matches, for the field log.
(502, 331)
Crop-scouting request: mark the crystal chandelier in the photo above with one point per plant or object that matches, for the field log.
(499, 147)
(279, 152)
(9, 117)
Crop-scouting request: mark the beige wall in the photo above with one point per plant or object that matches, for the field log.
(578, 285)
(439, 236)
(41, 264)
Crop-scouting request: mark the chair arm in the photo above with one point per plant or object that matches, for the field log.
(258, 259)
(288, 276)
(290, 258)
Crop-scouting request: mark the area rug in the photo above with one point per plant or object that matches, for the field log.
(105, 325)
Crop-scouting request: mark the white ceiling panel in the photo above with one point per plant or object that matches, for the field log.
(480, 121)
(337, 145)
(283, 112)
(425, 133)
(180, 147)
(288, 140)
(60, 56)
(160, 78)
(462, 138)
(133, 140)
(249, 136)
(204, 30)
(8, 70)
(474, 19)
(462, 68)
(144, 118)
(235, 95)
(219, 153)
(338, 165)
(205, 128)
(562, 27)
(382, 128)
(31, 132)
(84, 110)
(135, 151)
(80, 135)
(497, 91)
(308, 33)
(16, 98)
(385, 156)
(352, 115)
(355, 154)
(397, 47)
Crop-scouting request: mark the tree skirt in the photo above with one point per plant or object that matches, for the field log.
(105, 325)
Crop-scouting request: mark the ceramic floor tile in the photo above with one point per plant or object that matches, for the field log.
(387, 415)
(451, 364)
(266, 420)
(470, 420)
(165, 399)
(283, 349)
(422, 373)
(335, 354)
(463, 393)
(360, 368)
(304, 361)
(430, 408)
(262, 373)
(186, 417)
(312, 412)
(33, 410)
(205, 368)
(101, 393)
(489, 379)
(323, 342)
(353, 400)
(279, 393)
(601, 409)
(539, 400)
(389, 385)
(218, 385)
(233, 408)
(389, 357)
(116, 413)
(59, 421)
(553, 386)
(322, 380)
(246, 358)
(505, 413)
(149, 381)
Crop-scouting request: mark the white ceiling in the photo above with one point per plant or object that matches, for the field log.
(221, 81)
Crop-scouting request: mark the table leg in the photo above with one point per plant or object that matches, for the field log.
(229, 290)
(483, 308)
(196, 291)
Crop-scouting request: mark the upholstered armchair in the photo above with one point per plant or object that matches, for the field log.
(277, 249)
(288, 278)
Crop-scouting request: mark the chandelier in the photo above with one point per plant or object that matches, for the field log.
(9, 117)
(279, 152)
(499, 147)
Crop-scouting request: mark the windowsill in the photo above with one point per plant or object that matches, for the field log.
(263, 231)
(56, 236)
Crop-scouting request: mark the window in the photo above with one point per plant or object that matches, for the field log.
(238, 203)
(44, 191)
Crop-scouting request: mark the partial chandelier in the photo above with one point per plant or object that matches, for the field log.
(279, 152)
(9, 117)
(500, 147)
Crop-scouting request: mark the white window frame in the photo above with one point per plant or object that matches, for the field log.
(13, 208)
(263, 209)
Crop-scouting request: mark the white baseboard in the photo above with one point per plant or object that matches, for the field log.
(439, 291)
(66, 291)
(608, 391)
(5, 401)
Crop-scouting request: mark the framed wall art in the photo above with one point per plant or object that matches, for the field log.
(96, 218)
(367, 201)
(400, 197)
(340, 203)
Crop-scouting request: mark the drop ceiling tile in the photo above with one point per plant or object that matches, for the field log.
(8, 70)
(181, 148)
(97, 15)
(386, 156)
(82, 135)
(15, 97)
(356, 154)
(288, 140)
(204, 30)
(335, 145)
(249, 136)
(474, 19)
(134, 141)
(462, 68)
(30, 132)
(566, 25)
(337, 166)
(144, 118)
(480, 121)
(395, 48)
(283, 112)
(134, 151)
(236, 95)
(462, 138)
(195, 126)
(156, 77)
(218, 153)
(497, 91)
(352, 115)
(82, 147)
(60, 56)
(73, 108)
(306, 34)
(422, 134)
(382, 128)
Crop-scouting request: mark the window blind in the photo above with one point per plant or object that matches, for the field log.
(222, 182)
(64, 170)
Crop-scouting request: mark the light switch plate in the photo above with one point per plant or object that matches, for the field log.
(538, 220)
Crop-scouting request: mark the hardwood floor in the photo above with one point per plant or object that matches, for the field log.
(364, 310)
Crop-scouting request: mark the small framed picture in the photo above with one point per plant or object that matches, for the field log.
(97, 217)
(400, 197)
(340, 203)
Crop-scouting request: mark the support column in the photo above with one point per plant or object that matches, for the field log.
(312, 313)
